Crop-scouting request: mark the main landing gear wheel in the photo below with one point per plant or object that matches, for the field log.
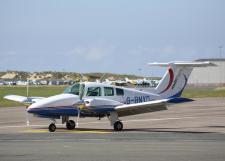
(70, 125)
(118, 126)
(52, 127)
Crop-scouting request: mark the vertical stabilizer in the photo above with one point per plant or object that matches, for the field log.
(175, 79)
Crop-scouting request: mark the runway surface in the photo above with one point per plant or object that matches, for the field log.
(185, 132)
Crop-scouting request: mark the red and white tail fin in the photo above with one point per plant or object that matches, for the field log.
(175, 79)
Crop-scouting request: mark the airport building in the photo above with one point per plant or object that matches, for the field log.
(210, 76)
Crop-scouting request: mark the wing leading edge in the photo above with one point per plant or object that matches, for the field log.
(23, 99)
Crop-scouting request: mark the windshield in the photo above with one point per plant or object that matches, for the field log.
(74, 89)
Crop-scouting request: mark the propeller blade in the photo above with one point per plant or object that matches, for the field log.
(102, 77)
(81, 87)
(81, 103)
(78, 117)
(27, 88)
(27, 119)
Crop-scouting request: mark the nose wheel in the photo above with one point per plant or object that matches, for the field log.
(52, 127)
(118, 126)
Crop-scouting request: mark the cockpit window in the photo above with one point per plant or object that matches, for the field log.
(73, 89)
(109, 91)
(94, 91)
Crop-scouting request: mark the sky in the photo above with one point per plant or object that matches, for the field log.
(119, 36)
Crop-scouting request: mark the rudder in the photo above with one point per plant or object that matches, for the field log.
(175, 79)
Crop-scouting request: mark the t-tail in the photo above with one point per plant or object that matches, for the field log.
(175, 79)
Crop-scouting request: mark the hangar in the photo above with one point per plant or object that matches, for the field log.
(211, 76)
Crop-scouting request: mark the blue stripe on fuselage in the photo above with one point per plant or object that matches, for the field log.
(71, 111)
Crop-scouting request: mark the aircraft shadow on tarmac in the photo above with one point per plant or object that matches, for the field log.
(216, 126)
(164, 130)
(181, 100)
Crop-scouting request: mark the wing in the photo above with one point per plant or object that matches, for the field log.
(22, 99)
(139, 108)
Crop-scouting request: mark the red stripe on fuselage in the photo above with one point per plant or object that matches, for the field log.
(170, 82)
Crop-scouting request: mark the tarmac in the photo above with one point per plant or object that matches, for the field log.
(185, 132)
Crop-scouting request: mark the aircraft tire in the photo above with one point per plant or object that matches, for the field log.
(118, 126)
(52, 128)
(70, 125)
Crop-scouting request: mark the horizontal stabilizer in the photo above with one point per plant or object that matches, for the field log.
(184, 64)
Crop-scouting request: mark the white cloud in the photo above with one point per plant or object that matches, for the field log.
(93, 53)
(164, 52)
(8, 53)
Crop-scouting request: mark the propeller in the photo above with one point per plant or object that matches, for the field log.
(27, 116)
(102, 77)
(81, 103)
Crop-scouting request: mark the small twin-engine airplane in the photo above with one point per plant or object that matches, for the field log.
(88, 99)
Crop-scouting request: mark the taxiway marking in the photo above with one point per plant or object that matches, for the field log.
(95, 122)
(69, 131)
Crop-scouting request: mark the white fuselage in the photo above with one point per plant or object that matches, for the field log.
(120, 94)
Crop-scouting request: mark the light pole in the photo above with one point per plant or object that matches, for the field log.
(139, 69)
(221, 63)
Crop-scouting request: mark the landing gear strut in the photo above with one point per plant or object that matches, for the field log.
(52, 127)
(118, 126)
(70, 124)
(115, 122)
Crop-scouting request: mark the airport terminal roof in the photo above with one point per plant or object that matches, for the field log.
(211, 59)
